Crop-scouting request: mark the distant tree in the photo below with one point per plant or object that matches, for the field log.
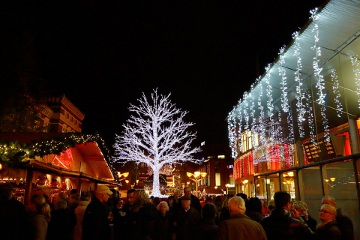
(156, 135)
(21, 114)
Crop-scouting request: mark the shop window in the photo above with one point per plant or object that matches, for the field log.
(288, 183)
(273, 184)
(310, 187)
(260, 187)
(339, 182)
(248, 141)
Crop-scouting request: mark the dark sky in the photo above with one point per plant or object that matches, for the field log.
(103, 54)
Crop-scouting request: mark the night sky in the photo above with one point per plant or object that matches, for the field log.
(103, 54)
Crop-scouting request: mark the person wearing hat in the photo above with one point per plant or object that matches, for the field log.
(187, 220)
(96, 217)
(195, 202)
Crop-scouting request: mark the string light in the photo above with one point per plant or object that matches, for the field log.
(232, 131)
(356, 70)
(240, 130)
(320, 84)
(15, 153)
(269, 104)
(285, 102)
(299, 87)
(261, 121)
(310, 117)
(266, 119)
(335, 80)
(253, 119)
(155, 135)
(282, 74)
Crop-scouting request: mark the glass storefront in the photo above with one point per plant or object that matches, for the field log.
(338, 178)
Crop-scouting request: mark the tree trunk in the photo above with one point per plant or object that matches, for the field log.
(156, 184)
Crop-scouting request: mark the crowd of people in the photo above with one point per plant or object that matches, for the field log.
(105, 215)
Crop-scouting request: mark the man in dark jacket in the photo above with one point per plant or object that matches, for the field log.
(195, 202)
(96, 217)
(281, 225)
(187, 220)
(13, 216)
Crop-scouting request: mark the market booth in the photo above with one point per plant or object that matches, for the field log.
(53, 163)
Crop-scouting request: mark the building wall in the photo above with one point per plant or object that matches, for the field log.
(65, 116)
(302, 117)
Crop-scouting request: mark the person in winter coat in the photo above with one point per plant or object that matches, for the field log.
(163, 227)
(63, 221)
(209, 228)
(13, 215)
(40, 222)
(239, 226)
(187, 220)
(303, 210)
(96, 222)
(281, 224)
(328, 228)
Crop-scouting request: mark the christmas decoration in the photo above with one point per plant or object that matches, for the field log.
(155, 135)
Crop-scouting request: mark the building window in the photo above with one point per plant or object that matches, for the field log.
(248, 139)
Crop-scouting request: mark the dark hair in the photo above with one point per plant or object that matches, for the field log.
(131, 190)
(74, 191)
(6, 190)
(254, 204)
(281, 198)
(85, 196)
(243, 195)
(208, 210)
(156, 200)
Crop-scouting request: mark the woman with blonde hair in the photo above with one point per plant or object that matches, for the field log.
(302, 208)
(163, 225)
(40, 222)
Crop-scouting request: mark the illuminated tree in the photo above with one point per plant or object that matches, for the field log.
(155, 134)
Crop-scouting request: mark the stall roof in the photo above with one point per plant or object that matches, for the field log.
(90, 152)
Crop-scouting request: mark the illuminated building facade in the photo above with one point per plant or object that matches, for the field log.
(297, 128)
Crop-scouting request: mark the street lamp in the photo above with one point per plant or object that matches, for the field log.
(124, 175)
(196, 177)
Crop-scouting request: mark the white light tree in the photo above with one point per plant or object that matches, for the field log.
(155, 134)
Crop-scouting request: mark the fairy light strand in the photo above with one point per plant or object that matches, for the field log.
(299, 87)
(356, 71)
(320, 84)
(335, 80)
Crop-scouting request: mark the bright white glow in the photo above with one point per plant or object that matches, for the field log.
(320, 84)
(269, 103)
(356, 70)
(275, 89)
(299, 87)
(155, 135)
(261, 119)
(310, 117)
(282, 74)
(232, 132)
(253, 119)
(285, 103)
(335, 80)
